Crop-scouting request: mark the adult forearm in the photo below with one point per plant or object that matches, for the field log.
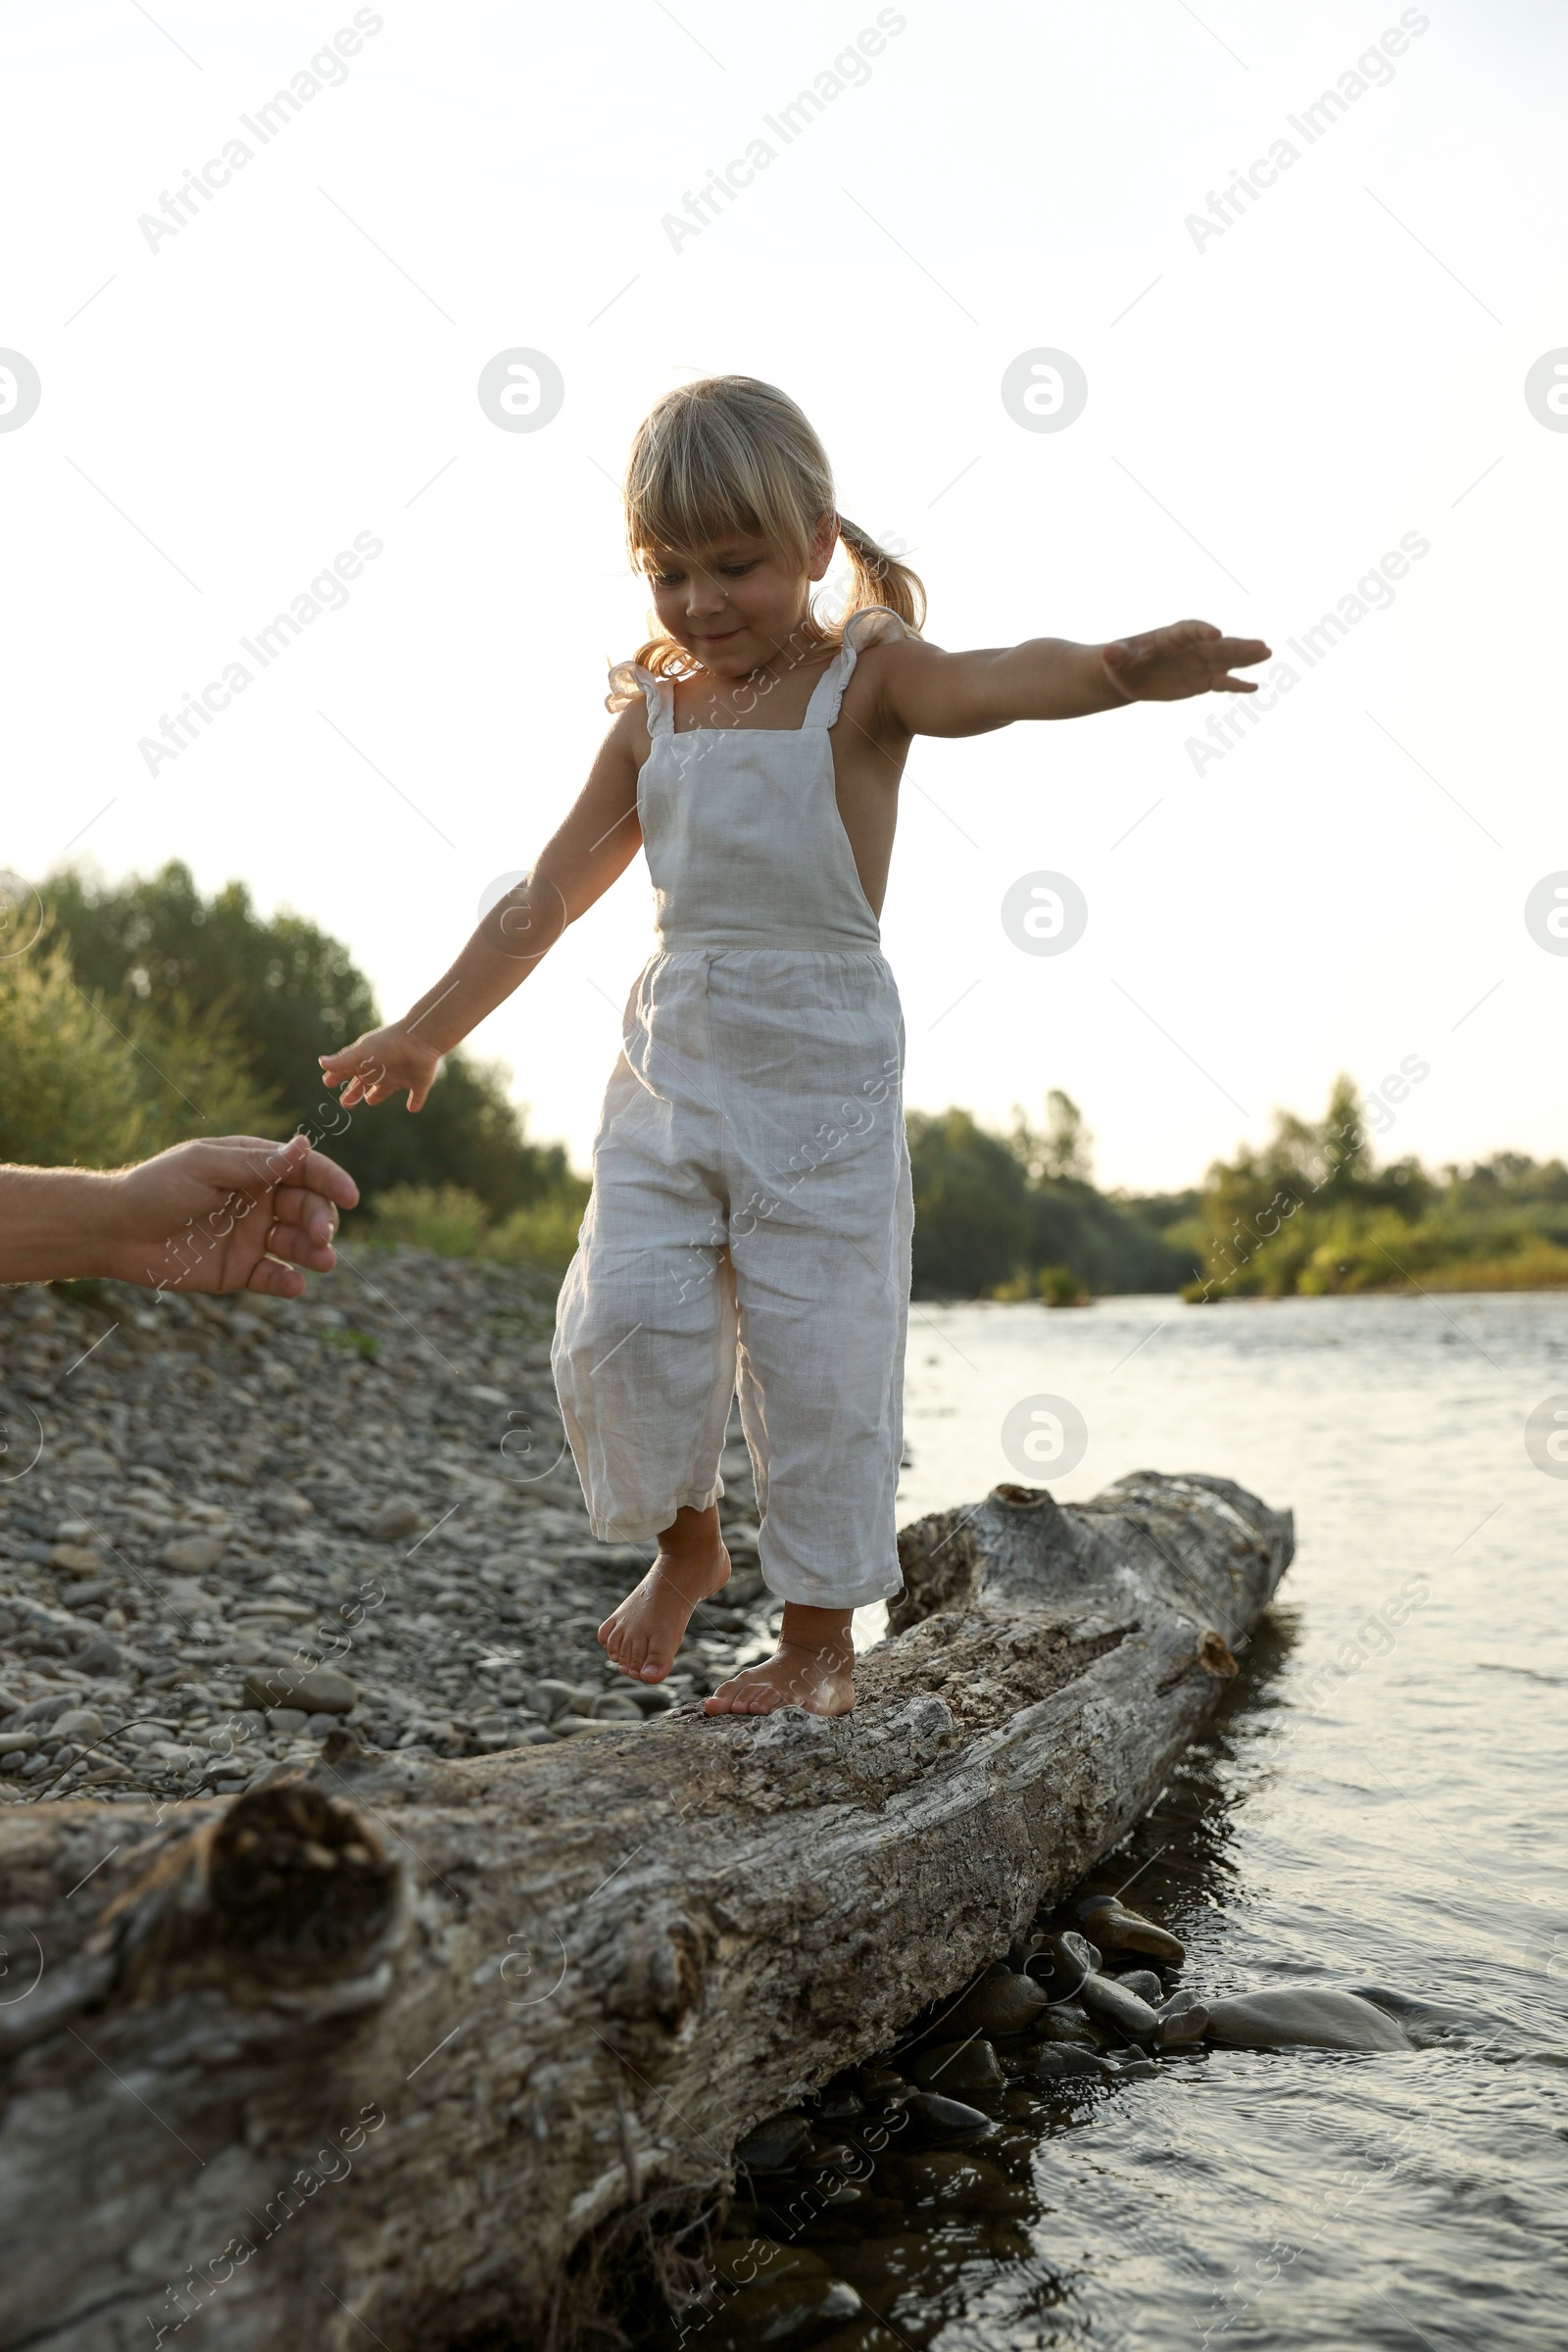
(56, 1223)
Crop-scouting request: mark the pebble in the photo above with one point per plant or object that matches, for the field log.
(574, 1698)
(946, 2119)
(742, 2261)
(1316, 2016)
(1143, 1982)
(1181, 2019)
(76, 1559)
(394, 1519)
(954, 2066)
(1115, 1929)
(317, 1690)
(786, 2311)
(78, 1722)
(101, 1656)
(1061, 2062)
(192, 1555)
(1061, 1964)
(1002, 2002)
(1067, 2022)
(775, 2144)
(91, 1461)
(1114, 2005)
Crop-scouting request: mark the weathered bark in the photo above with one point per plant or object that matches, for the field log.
(393, 2044)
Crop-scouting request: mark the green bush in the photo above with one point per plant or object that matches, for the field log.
(87, 1085)
(454, 1223)
(443, 1217)
(1060, 1286)
(543, 1235)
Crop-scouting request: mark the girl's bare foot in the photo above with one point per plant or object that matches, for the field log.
(641, 1636)
(813, 1668)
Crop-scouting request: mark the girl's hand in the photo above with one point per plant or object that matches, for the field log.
(1189, 656)
(380, 1064)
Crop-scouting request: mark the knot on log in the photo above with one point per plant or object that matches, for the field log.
(659, 1970)
(292, 1876)
(1023, 1499)
(287, 1901)
(941, 1563)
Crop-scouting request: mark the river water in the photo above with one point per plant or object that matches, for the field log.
(1381, 1802)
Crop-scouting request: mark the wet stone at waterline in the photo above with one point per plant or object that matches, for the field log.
(1313, 2017)
(1004, 2001)
(956, 2067)
(1115, 1929)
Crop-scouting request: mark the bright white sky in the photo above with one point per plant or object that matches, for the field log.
(1266, 417)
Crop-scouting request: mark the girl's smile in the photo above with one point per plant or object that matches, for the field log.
(734, 604)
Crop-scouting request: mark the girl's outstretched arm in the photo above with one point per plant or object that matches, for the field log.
(929, 692)
(592, 848)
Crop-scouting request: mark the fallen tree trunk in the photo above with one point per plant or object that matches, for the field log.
(392, 2043)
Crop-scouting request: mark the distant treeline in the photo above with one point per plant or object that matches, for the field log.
(1310, 1213)
(142, 1013)
(1019, 1216)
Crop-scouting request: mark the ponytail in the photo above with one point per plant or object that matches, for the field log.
(879, 578)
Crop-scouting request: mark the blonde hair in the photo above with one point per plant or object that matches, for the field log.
(730, 454)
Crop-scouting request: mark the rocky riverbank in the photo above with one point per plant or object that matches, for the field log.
(234, 1527)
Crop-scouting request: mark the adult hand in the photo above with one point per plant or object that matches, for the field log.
(219, 1215)
(201, 1217)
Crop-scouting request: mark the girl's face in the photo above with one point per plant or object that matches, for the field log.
(734, 604)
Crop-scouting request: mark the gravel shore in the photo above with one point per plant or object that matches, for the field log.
(232, 1528)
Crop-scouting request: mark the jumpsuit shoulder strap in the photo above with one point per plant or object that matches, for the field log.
(628, 679)
(823, 708)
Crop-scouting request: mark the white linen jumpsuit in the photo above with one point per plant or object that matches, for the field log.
(751, 1215)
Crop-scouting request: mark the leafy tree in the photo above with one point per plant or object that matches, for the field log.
(290, 993)
(1065, 1150)
(82, 1085)
(971, 1219)
(993, 1214)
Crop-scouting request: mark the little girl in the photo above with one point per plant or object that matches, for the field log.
(751, 1214)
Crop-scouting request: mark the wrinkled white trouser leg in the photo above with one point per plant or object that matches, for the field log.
(751, 1181)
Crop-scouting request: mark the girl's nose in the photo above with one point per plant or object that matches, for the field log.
(705, 597)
